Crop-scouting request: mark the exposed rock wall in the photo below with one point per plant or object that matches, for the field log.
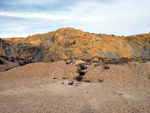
(68, 43)
(22, 51)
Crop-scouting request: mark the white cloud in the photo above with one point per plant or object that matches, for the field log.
(11, 35)
(34, 15)
(120, 17)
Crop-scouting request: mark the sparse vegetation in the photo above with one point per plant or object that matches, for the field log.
(106, 67)
(81, 73)
(139, 59)
(20, 63)
(88, 81)
(79, 78)
(1, 61)
(50, 61)
(82, 66)
(79, 70)
(116, 61)
(102, 59)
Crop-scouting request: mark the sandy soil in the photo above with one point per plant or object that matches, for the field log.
(22, 91)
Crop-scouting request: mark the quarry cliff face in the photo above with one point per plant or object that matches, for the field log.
(69, 43)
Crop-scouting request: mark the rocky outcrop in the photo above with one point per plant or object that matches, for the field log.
(69, 43)
(22, 51)
(140, 45)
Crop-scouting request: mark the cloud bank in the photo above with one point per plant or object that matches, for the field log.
(119, 17)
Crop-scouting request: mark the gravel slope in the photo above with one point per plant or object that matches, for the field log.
(33, 89)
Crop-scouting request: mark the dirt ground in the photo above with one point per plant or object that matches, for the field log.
(42, 93)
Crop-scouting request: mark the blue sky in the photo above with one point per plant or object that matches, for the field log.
(20, 18)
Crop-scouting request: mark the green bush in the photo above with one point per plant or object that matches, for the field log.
(79, 70)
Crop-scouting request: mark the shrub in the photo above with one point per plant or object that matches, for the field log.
(82, 73)
(82, 66)
(79, 70)
(20, 64)
(50, 61)
(106, 67)
(1, 62)
(79, 78)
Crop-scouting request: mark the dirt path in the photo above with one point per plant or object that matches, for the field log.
(46, 95)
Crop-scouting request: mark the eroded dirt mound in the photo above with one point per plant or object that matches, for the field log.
(127, 74)
(56, 70)
(121, 75)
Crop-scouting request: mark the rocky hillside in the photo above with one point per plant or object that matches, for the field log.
(69, 43)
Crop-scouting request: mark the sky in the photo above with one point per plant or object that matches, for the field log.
(21, 18)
